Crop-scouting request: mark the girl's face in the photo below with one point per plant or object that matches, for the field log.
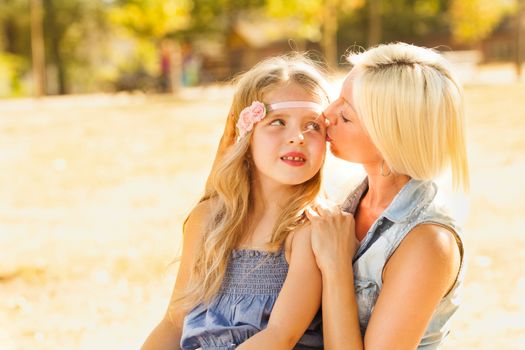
(288, 145)
(346, 133)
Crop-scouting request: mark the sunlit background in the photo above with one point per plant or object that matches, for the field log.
(110, 114)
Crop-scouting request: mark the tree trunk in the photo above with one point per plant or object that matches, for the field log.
(11, 35)
(329, 35)
(520, 38)
(56, 36)
(374, 22)
(37, 48)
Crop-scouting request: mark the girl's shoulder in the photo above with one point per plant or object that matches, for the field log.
(298, 240)
(199, 217)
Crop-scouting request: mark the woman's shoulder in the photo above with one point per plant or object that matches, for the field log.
(429, 249)
(432, 237)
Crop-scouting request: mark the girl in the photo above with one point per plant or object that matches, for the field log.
(247, 274)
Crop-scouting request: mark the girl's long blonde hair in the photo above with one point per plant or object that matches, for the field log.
(229, 185)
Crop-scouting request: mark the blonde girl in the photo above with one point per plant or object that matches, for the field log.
(248, 277)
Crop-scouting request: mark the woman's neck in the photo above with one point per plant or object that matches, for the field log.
(382, 189)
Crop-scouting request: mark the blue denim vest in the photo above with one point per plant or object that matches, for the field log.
(415, 204)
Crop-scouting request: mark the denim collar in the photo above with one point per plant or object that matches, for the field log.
(407, 204)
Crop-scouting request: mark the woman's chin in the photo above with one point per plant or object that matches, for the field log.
(334, 150)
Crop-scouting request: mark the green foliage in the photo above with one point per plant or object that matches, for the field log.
(74, 35)
(311, 14)
(218, 16)
(413, 21)
(474, 20)
(90, 44)
(14, 27)
(12, 69)
(154, 19)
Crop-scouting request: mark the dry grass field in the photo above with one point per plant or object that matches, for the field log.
(93, 190)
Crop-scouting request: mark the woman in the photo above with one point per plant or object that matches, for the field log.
(400, 115)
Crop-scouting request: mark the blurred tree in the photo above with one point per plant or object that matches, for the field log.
(37, 48)
(152, 19)
(69, 29)
(210, 16)
(520, 37)
(422, 22)
(374, 22)
(414, 20)
(317, 15)
(15, 42)
(14, 26)
(154, 24)
(473, 20)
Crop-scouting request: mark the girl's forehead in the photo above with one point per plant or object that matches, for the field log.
(288, 92)
(295, 108)
(295, 113)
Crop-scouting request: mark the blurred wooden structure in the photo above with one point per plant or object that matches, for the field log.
(247, 43)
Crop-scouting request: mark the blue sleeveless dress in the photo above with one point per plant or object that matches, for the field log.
(243, 305)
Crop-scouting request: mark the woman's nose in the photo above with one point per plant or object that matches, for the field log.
(330, 113)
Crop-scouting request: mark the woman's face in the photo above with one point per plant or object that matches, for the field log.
(346, 133)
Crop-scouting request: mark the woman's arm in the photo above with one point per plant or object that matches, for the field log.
(415, 279)
(297, 303)
(167, 334)
(334, 245)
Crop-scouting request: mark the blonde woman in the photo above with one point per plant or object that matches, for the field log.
(248, 277)
(393, 268)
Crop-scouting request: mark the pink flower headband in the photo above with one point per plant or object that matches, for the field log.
(257, 111)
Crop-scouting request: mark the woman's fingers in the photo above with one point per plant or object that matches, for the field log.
(311, 214)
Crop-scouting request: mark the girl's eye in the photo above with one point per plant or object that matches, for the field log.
(277, 122)
(313, 126)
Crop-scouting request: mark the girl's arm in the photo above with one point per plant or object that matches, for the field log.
(297, 303)
(167, 334)
(416, 277)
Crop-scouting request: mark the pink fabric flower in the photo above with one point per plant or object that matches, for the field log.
(249, 116)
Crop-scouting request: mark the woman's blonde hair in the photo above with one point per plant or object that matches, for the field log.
(228, 186)
(411, 105)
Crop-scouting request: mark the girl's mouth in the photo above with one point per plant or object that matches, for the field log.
(294, 158)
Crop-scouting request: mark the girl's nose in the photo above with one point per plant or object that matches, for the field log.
(297, 137)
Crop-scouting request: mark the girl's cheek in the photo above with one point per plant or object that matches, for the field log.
(320, 145)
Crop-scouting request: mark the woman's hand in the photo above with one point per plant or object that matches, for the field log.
(333, 237)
